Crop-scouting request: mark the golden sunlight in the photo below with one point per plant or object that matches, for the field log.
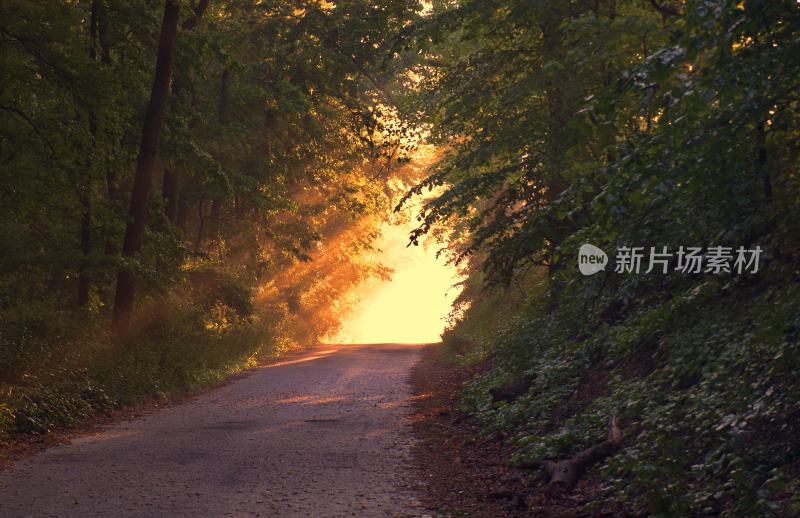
(412, 306)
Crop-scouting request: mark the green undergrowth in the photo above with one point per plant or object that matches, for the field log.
(480, 314)
(60, 370)
(701, 380)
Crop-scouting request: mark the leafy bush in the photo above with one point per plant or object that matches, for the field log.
(180, 343)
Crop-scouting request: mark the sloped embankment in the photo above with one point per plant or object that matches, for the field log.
(699, 387)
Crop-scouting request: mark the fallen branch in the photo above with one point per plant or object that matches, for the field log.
(564, 474)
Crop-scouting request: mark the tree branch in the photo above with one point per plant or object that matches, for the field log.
(663, 8)
(199, 9)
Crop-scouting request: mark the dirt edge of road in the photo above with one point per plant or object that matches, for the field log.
(464, 473)
(459, 474)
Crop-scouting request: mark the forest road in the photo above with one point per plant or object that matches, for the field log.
(321, 434)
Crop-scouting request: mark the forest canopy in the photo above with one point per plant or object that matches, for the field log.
(189, 184)
(627, 125)
(208, 175)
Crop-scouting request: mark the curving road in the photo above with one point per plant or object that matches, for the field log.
(323, 434)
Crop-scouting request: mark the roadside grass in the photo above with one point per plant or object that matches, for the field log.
(91, 373)
(59, 368)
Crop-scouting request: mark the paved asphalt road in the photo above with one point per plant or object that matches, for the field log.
(324, 434)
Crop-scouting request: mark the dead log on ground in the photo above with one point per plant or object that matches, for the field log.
(564, 474)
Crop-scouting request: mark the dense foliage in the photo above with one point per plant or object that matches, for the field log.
(274, 153)
(211, 174)
(627, 123)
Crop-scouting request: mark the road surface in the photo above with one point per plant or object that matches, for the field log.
(323, 434)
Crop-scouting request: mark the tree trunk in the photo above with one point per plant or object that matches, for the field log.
(170, 189)
(216, 203)
(112, 194)
(201, 223)
(146, 165)
(183, 210)
(84, 282)
(761, 161)
(105, 43)
(105, 57)
(238, 207)
(216, 210)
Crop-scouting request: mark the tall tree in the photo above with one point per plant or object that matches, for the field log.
(170, 189)
(146, 166)
(84, 282)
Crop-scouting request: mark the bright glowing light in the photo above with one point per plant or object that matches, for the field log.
(412, 306)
